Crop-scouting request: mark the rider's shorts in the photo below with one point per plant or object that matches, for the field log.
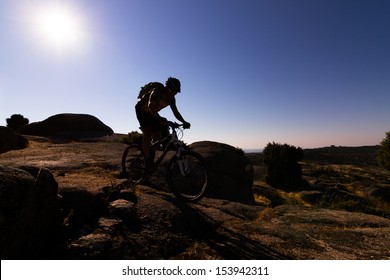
(147, 120)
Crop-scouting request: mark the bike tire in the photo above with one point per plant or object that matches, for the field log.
(191, 186)
(133, 163)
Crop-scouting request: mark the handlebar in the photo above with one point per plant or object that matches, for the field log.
(175, 125)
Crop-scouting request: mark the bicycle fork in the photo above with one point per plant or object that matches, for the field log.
(183, 163)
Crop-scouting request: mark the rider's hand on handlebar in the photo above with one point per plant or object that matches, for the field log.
(186, 125)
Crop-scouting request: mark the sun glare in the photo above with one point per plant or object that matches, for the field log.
(59, 26)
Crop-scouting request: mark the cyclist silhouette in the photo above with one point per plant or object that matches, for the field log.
(152, 125)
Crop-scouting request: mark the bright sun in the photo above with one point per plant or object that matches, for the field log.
(59, 26)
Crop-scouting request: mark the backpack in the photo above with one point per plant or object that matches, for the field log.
(148, 88)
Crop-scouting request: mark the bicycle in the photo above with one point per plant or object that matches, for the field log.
(186, 174)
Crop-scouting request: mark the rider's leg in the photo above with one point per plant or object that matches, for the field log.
(156, 134)
(146, 143)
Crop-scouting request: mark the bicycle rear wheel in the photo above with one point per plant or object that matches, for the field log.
(187, 176)
(133, 163)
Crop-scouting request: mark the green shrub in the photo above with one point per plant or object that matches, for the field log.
(383, 155)
(284, 171)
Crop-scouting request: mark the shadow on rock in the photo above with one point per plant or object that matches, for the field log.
(228, 244)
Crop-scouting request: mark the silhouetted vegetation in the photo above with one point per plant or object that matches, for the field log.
(16, 121)
(133, 137)
(284, 171)
(383, 155)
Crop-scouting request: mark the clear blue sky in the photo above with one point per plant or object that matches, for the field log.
(306, 73)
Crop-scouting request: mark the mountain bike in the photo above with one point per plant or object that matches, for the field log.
(186, 172)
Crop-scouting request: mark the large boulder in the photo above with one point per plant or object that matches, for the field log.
(68, 126)
(28, 213)
(10, 140)
(230, 172)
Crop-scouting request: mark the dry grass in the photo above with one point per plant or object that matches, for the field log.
(90, 177)
(266, 215)
(199, 250)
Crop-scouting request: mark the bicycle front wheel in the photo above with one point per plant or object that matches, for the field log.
(187, 176)
(133, 163)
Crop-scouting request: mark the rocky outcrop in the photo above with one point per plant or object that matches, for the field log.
(28, 213)
(68, 126)
(10, 140)
(158, 226)
(230, 172)
(114, 219)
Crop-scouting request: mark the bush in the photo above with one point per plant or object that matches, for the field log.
(284, 171)
(133, 137)
(383, 155)
(16, 121)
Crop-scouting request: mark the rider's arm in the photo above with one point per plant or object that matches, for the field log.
(152, 106)
(177, 114)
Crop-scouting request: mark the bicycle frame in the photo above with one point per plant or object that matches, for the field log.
(173, 142)
(186, 169)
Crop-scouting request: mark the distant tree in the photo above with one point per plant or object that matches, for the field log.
(16, 121)
(284, 171)
(383, 155)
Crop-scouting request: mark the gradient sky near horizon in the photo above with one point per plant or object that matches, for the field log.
(306, 73)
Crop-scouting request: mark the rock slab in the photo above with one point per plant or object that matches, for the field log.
(28, 213)
(230, 172)
(68, 126)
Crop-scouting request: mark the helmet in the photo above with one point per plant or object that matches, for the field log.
(173, 84)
